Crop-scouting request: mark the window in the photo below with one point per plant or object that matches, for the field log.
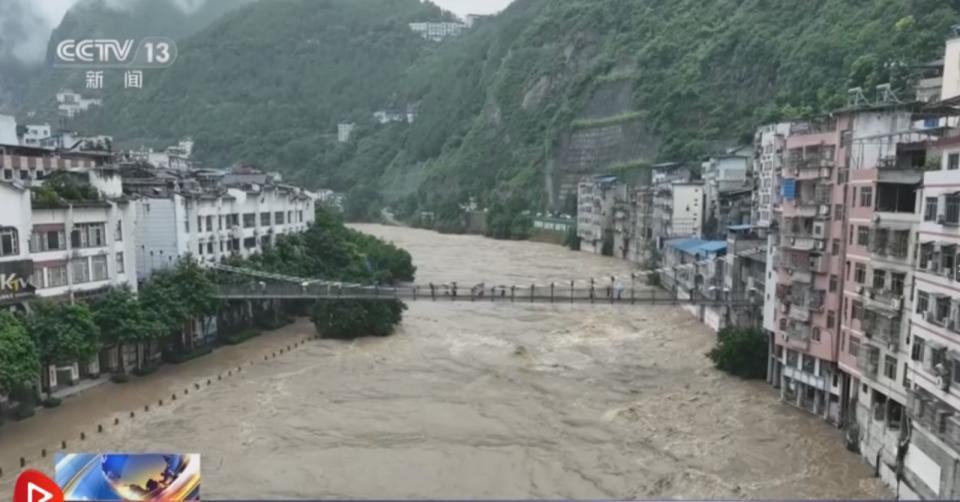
(8, 174)
(210, 247)
(923, 302)
(856, 310)
(809, 364)
(57, 276)
(9, 241)
(24, 174)
(953, 161)
(897, 282)
(289, 216)
(199, 224)
(120, 266)
(221, 246)
(300, 216)
(838, 212)
(793, 358)
(200, 249)
(186, 225)
(835, 247)
(850, 235)
(99, 265)
(930, 209)
(831, 319)
(209, 223)
(943, 308)
(234, 244)
(278, 217)
(863, 236)
(118, 232)
(952, 209)
(890, 367)
(264, 219)
(834, 283)
(233, 220)
(783, 323)
(220, 222)
(80, 271)
(860, 273)
(854, 346)
(249, 220)
(816, 334)
(879, 279)
(916, 350)
(88, 235)
(250, 242)
(866, 197)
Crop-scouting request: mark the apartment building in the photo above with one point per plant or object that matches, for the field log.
(198, 214)
(633, 225)
(809, 266)
(67, 251)
(886, 156)
(931, 463)
(596, 198)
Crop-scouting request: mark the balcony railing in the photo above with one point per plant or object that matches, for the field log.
(797, 335)
(885, 330)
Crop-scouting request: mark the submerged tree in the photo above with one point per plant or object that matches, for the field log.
(741, 352)
(19, 359)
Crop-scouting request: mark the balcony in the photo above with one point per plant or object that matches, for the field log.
(803, 243)
(799, 315)
(882, 328)
(797, 335)
(935, 415)
(805, 298)
(884, 300)
(868, 361)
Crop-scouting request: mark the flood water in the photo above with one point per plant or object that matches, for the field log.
(487, 400)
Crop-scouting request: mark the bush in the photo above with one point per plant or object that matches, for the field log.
(348, 319)
(182, 357)
(741, 352)
(120, 378)
(24, 411)
(52, 402)
(242, 336)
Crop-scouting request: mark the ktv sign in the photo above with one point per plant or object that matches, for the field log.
(150, 52)
(14, 285)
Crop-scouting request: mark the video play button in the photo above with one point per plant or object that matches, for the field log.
(34, 486)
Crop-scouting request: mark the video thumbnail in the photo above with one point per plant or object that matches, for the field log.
(128, 476)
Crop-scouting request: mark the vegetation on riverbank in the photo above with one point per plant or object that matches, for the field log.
(741, 352)
(329, 250)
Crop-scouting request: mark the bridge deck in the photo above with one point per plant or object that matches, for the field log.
(530, 294)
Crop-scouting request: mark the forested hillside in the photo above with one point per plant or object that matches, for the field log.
(521, 104)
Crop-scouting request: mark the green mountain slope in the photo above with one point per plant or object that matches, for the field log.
(269, 83)
(523, 104)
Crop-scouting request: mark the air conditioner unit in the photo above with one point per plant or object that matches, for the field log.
(860, 290)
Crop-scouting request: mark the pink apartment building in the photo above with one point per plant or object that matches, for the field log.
(809, 268)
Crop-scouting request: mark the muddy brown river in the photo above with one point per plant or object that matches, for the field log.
(488, 400)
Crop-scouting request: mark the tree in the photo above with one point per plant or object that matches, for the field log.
(741, 352)
(175, 297)
(122, 320)
(19, 359)
(346, 319)
(63, 333)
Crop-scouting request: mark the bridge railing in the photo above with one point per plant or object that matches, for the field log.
(446, 292)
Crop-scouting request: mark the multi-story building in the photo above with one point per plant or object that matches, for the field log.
(210, 220)
(34, 134)
(69, 250)
(809, 263)
(70, 104)
(596, 198)
(633, 225)
(677, 210)
(438, 31)
(726, 179)
(885, 159)
(931, 463)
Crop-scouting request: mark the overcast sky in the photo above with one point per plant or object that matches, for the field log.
(24, 35)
